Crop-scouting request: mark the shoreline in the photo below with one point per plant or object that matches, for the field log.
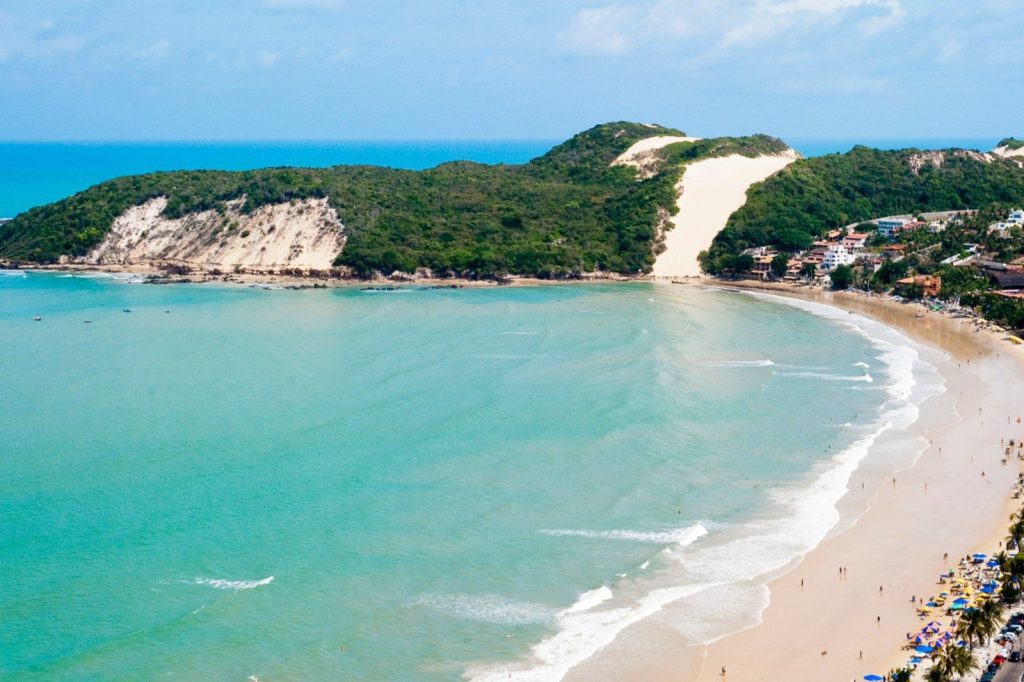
(832, 628)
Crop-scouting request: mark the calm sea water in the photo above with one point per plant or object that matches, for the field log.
(421, 484)
(32, 174)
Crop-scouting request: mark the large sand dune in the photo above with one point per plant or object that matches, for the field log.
(709, 192)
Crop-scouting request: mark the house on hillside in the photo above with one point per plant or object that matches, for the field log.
(894, 251)
(1007, 280)
(855, 241)
(888, 227)
(930, 285)
(836, 255)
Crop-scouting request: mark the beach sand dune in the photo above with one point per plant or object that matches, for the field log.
(710, 191)
(643, 155)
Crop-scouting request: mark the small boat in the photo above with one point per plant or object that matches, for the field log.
(37, 318)
(126, 310)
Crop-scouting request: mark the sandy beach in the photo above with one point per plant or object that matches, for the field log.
(820, 626)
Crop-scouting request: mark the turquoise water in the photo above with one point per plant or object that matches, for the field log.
(36, 173)
(343, 484)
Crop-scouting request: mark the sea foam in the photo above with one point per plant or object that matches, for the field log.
(757, 551)
(681, 536)
(233, 584)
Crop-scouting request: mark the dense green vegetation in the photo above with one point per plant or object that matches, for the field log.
(812, 196)
(1011, 143)
(566, 212)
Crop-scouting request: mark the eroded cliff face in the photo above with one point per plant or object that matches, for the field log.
(302, 234)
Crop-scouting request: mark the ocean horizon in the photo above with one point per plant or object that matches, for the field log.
(36, 173)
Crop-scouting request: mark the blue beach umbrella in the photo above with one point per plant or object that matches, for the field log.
(992, 563)
(923, 649)
(988, 589)
(873, 678)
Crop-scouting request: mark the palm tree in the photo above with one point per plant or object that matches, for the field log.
(991, 618)
(901, 675)
(950, 662)
(971, 627)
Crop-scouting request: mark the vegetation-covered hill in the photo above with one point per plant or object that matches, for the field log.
(814, 195)
(566, 212)
(1011, 143)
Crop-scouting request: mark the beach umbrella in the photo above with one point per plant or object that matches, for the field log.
(872, 678)
(992, 563)
(988, 589)
(923, 649)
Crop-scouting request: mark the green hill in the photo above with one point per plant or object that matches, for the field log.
(814, 195)
(566, 212)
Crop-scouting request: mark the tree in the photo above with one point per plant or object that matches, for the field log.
(842, 277)
(901, 675)
(780, 264)
(744, 263)
(808, 270)
(949, 662)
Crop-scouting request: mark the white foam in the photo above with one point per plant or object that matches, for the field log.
(677, 536)
(234, 584)
(488, 608)
(589, 600)
(758, 550)
(519, 333)
(740, 363)
(867, 378)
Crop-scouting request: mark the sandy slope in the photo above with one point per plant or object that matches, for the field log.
(305, 234)
(710, 191)
(644, 154)
(1007, 152)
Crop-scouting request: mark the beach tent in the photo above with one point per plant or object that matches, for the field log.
(923, 649)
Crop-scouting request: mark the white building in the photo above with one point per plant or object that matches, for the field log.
(1016, 217)
(887, 227)
(836, 255)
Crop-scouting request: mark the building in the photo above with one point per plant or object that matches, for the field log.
(894, 251)
(887, 227)
(1016, 217)
(855, 241)
(836, 255)
(930, 286)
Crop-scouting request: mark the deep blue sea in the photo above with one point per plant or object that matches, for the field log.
(35, 173)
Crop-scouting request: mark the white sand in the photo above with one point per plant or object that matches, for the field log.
(305, 234)
(644, 154)
(709, 192)
(1007, 152)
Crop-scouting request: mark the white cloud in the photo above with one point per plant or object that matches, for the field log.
(616, 29)
(599, 31)
(768, 18)
(267, 59)
(304, 4)
(158, 50)
(342, 55)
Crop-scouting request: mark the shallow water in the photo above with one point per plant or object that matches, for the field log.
(230, 481)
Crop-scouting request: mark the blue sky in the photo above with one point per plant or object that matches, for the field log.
(540, 69)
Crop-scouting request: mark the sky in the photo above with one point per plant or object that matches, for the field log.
(507, 69)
